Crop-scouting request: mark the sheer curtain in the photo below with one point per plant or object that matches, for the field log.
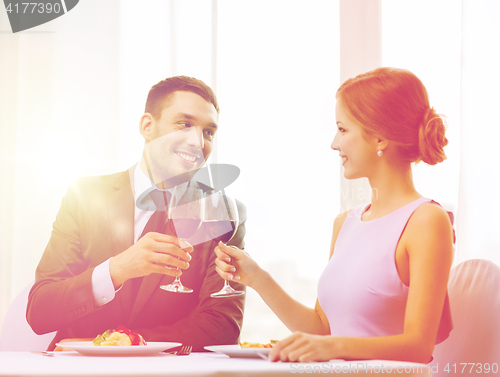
(452, 47)
(59, 96)
(278, 70)
(478, 204)
(433, 53)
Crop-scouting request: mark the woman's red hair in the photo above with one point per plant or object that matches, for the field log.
(393, 104)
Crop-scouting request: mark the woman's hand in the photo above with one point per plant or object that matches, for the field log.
(304, 347)
(237, 265)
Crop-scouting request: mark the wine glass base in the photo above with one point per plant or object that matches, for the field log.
(176, 288)
(227, 292)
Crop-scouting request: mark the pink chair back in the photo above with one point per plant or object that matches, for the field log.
(474, 291)
(17, 334)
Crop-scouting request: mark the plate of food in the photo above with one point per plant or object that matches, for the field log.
(118, 342)
(244, 349)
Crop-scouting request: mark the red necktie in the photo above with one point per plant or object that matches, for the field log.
(158, 221)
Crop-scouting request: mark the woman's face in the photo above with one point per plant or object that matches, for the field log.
(356, 147)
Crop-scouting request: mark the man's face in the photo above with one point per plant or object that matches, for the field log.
(180, 141)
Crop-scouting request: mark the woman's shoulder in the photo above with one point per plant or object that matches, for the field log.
(430, 213)
(429, 223)
(339, 220)
(337, 225)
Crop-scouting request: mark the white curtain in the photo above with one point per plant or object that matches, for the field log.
(72, 92)
(278, 70)
(425, 36)
(59, 101)
(453, 47)
(478, 204)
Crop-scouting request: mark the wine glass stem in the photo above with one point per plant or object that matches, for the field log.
(177, 279)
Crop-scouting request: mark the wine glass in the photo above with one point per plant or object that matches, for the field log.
(184, 214)
(220, 216)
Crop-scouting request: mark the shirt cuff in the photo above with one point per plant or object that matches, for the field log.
(102, 285)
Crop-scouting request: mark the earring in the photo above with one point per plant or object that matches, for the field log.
(380, 153)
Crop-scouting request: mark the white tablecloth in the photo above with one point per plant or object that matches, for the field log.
(70, 364)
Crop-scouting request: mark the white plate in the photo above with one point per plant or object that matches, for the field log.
(88, 349)
(234, 350)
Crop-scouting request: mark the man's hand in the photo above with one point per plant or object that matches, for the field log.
(153, 253)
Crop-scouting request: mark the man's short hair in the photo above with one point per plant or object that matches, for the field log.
(160, 93)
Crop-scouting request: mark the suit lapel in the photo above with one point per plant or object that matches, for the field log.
(148, 285)
(120, 203)
(121, 212)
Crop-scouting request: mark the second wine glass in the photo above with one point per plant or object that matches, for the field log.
(184, 214)
(220, 217)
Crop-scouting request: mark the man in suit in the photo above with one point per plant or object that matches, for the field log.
(103, 268)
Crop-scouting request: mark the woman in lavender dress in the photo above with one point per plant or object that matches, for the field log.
(383, 293)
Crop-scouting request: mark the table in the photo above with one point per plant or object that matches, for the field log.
(69, 364)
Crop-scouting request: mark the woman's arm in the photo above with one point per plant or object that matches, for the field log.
(428, 240)
(292, 313)
(295, 316)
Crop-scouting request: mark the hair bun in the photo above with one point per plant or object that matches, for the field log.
(431, 138)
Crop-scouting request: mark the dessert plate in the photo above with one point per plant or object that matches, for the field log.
(88, 349)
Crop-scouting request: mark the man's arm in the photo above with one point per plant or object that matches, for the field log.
(94, 223)
(62, 296)
(62, 291)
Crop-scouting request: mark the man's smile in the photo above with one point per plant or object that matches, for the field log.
(187, 157)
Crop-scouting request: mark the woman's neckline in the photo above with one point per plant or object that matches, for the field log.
(388, 214)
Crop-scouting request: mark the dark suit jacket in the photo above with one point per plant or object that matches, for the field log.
(96, 222)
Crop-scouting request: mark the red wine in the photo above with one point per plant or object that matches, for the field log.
(221, 230)
(185, 228)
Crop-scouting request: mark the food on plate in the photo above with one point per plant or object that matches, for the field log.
(258, 345)
(121, 336)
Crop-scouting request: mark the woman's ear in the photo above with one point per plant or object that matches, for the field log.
(146, 127)
(382, 144)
